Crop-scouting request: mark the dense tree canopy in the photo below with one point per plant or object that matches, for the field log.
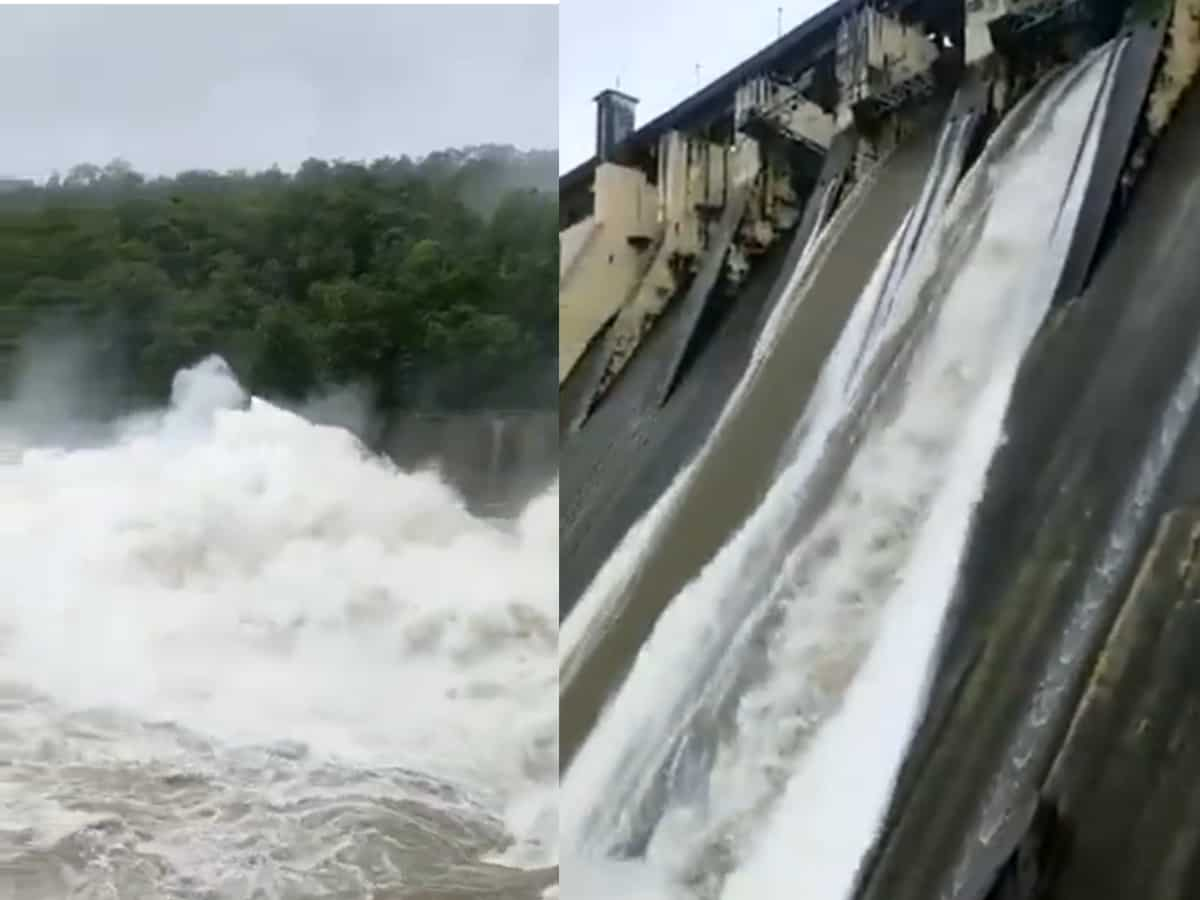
(432, 281)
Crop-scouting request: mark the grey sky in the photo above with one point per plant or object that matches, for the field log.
(653, 46)
(220, 87)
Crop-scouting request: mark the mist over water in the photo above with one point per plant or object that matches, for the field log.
(242, 656)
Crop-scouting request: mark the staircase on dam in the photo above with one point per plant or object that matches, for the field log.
(752, 287)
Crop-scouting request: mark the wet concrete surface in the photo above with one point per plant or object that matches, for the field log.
(738, 469)
(630, 448)
(1127, 780)
(1084, 412)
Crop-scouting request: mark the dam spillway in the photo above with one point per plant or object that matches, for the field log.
(840, 669)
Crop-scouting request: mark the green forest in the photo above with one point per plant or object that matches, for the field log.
(432, 282)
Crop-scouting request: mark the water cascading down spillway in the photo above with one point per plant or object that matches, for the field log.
(751, 749)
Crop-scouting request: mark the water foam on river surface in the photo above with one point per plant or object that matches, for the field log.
(240, 654)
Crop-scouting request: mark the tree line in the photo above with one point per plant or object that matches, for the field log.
(432, 282)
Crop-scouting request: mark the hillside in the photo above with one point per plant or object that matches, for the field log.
(431, 281)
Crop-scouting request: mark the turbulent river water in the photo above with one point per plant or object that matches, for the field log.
(750, 751)
(240, 657)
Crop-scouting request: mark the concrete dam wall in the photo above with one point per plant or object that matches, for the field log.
(884, 586)
(496, 460)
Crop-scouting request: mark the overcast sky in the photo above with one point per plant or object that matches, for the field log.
(220, 87)
(653, 46)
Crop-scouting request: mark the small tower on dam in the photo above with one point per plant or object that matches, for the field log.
(615, 115)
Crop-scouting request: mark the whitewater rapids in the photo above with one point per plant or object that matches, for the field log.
(242, 657)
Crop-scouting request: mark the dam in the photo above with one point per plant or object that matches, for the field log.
(879, 363)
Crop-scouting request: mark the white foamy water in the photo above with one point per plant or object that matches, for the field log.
(795, 664)
(602, 602)
(994, 303)
(239, 653)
